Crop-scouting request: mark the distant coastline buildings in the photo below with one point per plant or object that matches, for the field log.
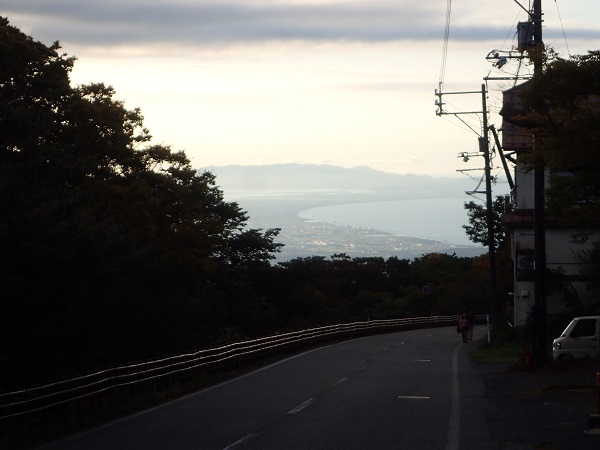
(308, 238)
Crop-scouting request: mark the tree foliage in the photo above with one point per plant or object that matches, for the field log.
(562, 104)
(100, 229)
(477, 229)
(374, 287)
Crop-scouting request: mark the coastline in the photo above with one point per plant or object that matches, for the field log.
(439, 219)
(304, 237)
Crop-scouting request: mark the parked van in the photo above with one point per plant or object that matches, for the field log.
(579, 340)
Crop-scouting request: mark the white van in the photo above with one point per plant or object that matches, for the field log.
(579, 340)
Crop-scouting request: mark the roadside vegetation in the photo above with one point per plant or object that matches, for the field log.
(507, 346)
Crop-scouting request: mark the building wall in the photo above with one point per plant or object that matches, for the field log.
(561, 254)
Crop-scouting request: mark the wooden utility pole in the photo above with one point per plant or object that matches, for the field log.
(484, 150)
(484, 145)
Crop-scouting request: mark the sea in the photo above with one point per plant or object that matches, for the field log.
(433, 220)
(439, 219)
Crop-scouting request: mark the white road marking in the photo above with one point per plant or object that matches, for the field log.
(453, 441)
(299, 408)
(414, 397)
(338, 382)
(240, 441)
(421, 360)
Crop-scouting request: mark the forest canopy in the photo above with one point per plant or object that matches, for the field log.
(99, 226)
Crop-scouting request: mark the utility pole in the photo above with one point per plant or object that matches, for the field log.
(484, 145)
(484, 149)
(539, 228)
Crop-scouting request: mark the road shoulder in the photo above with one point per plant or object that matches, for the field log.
(540, 408)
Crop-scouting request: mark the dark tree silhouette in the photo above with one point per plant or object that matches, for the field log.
(477, 229)
(111, 247)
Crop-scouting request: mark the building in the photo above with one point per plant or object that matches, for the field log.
(562, 254)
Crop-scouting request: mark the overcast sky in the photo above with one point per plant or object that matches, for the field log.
(309, 81)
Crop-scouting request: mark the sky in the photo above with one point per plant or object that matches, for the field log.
(347, 83)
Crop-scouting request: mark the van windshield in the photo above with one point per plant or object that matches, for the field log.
(584, 328)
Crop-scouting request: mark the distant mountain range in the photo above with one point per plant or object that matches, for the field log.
(303, 176)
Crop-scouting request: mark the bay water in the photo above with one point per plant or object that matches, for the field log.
(439, 219)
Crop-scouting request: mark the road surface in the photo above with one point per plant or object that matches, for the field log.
(407, 390)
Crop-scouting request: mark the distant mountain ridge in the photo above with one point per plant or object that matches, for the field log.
(317, 176)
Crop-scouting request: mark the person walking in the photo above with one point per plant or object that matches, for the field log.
(463, 326)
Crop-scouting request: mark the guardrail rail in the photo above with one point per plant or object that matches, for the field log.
(92, 387)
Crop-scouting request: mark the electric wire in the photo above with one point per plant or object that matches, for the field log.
(510, 31)
(467, 126)
(519, 66)
(562, 28)
(446, 39)
(443, 74)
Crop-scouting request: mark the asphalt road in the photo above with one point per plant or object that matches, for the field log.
(409, 390)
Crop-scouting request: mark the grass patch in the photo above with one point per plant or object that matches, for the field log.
(497, 353)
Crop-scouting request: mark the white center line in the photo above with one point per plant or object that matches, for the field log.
(240, 441)
(299, 408)
(339, 382)
(414, 397)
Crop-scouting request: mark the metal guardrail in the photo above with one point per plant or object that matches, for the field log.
(39, 399)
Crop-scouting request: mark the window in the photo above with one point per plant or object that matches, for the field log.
(584, 327)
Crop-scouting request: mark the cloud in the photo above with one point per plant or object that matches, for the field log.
(135, 22)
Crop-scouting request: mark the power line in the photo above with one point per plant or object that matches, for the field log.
(562, 28)
(446, 39)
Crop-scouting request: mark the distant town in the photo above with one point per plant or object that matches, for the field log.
(304, 238)
(274, 196)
